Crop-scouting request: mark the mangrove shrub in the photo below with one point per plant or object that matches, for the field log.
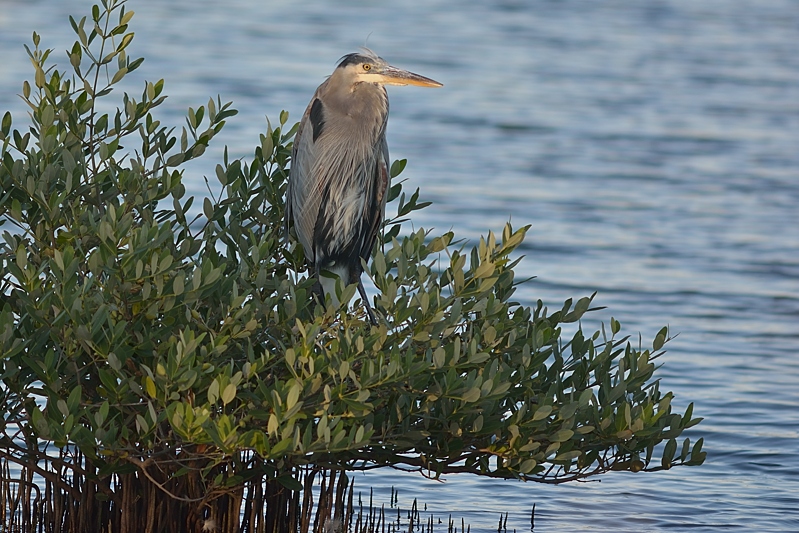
(170, 347)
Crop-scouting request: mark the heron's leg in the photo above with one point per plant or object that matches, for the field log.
(365, 299)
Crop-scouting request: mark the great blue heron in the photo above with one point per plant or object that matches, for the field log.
(339, 177)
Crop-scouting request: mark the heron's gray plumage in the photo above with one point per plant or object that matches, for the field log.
(339, 176)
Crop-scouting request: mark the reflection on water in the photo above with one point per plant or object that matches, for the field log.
(651, 145)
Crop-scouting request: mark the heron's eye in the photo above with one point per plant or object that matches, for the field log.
(367, 67)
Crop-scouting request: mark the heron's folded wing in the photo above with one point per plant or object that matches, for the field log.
(302, 196)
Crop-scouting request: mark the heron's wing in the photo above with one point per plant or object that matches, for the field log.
(377, 207)
(302, 195)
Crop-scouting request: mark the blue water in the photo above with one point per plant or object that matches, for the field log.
(654, 148)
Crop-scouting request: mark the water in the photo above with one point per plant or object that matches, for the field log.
(654, 148)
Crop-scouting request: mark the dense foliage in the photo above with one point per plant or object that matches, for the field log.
(151, 336)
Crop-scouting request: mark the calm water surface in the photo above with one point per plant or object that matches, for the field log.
(654, 148)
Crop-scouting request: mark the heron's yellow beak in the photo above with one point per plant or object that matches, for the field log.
(396, 76)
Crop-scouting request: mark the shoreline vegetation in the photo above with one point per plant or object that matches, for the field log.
(165, 368)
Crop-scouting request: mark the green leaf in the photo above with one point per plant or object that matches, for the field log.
(397, 167)
(114, 362)
(213, 392)
(6, 124)
(485, 269)
(125, 41)
(472, 395)
(39, 422)
(227, 395)
(660, 339)
(176, 160)
(562, 435)
(125, 17)
(439, 357)
(697, 455)
(149, 386)
(668, 453)
(568, 456)
(527, 466)
(178, 284)
(289, 482)
(293, 395)
(579, 310)
(568, 410)
(542, 412)
(272, 424)
(118, 75)
(73, 402)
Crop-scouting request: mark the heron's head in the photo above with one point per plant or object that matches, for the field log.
(367, 67)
